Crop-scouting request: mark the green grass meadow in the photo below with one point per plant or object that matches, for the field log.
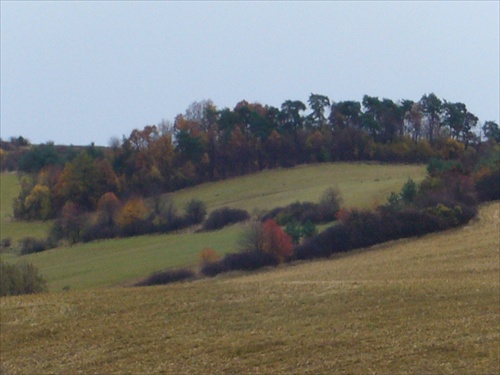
(119, 261)
(361, 185)
(123, 261)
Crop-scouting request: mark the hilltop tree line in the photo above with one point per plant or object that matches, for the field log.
(206, 143)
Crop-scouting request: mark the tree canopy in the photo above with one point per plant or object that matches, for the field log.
(207, 143)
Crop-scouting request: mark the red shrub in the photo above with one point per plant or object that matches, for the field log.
(275, 241)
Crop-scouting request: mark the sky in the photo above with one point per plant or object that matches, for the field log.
(81, 72)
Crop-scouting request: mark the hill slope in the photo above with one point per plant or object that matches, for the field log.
(427, 305)
(112, 262)
(361, 185)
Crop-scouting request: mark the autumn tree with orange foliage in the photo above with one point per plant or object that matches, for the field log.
(275, 241)
(107, 208)
(208, 256)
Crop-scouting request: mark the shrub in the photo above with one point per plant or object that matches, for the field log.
(409, 191)
(98, 230)
(31, 245)
(329, 205)
(213, 269)
(196, 211)
(452, 216)
(411, 222)
(332, 240)
(165, 214)
(309, 229)
(251, 239)
(20, 279)
(208, 256)
(365, 228)
(487, 183)
(275, 241)
(450, 189)
(262, 244)
(298, 211)
(438, 167)
(167, 277)
(267, 237)
(294, 230)
(6, 243)
(302, 212)
(249, 260)
(225, 216)
(244, 261)
(394, 202)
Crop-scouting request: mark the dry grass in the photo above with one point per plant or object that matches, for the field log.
(426, 306)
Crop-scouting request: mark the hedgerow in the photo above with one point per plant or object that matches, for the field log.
(303, 212)
(224, 216)
(167, 277)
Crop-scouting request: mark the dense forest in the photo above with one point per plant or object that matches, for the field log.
(206, 143)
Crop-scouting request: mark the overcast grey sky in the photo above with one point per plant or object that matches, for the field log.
(81, 72)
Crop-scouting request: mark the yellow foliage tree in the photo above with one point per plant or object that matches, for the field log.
(38, 204)
(132, 213)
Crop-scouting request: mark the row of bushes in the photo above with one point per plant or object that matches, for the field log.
(444, 200)
(263, 244)
(243, 261)
(159, 215)
(366, 228)
(85, 227)
(30, 245)
(167, 277)
(224, 216)
(302, 212)
(134, 218)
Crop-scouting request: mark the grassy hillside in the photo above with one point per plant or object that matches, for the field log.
(428, 305)
(361, 184)
(112, 262)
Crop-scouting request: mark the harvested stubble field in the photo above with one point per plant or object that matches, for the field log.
(422, 306)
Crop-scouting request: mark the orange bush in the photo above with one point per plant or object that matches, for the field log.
(208, 256)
